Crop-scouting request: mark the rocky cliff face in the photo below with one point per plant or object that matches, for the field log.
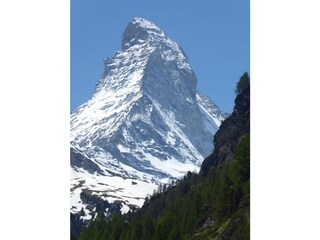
(230, 132)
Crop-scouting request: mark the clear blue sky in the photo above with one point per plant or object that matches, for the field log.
(215, 35)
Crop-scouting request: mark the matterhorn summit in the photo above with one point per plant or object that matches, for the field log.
(146, 124)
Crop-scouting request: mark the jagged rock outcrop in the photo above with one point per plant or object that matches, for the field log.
(230, 132)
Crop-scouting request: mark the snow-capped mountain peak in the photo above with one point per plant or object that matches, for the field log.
(146, 121)
(140, 31)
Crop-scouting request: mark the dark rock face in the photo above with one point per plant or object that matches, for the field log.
(231, 130)
(80, 161)
(96, 205)
(76, 225)
(94, 201)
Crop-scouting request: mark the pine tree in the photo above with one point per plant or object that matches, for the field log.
(147, 227)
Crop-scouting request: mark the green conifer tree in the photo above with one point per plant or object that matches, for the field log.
(243, 83)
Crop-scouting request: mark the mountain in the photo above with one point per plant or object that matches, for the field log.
(212, 204)
(145, 125)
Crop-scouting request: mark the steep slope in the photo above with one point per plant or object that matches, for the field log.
(229, 134)
(146, 123)
(214, 204)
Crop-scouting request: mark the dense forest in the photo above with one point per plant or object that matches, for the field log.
(211, 204)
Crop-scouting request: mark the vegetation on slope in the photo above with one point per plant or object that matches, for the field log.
(215, 206)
